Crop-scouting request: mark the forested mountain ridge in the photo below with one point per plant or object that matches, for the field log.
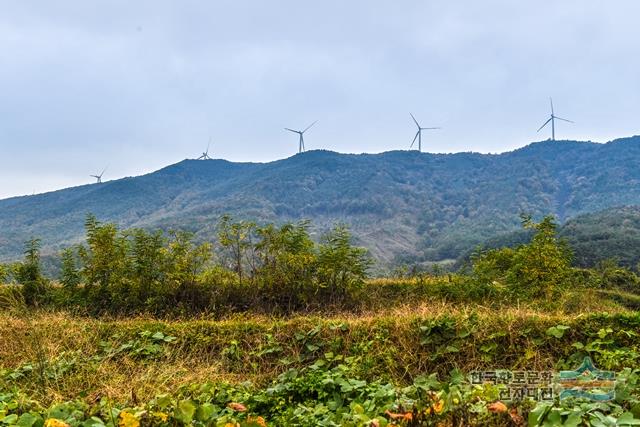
(402, 205)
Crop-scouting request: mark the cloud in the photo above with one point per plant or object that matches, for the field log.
(138, 85)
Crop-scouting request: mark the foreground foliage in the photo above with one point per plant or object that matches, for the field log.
(402, 370)
(324, 394)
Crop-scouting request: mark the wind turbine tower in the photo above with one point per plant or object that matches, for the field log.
(301, 134)
(553, 119)
(419, 134)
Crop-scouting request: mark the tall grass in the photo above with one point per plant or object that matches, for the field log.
(77, 357)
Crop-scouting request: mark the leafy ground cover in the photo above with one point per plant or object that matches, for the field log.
(405, 367)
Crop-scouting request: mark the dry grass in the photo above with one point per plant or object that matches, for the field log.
(387, 341)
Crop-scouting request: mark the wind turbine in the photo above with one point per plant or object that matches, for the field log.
(99, 177)
(301, 133)
(205, 155)
(552, 119)
(418, 134)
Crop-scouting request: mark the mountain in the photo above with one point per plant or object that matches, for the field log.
(405, 206)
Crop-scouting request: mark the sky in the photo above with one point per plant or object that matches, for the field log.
(136, 86)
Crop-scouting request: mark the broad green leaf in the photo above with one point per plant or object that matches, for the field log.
(9, 419)
(573, 420)
(158, 336)
(28, 420)
(537, 414)
(205, 412)
(627, 419)
(557, 331)
(185, 411)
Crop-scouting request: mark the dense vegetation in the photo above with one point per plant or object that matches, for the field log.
(398, 369)
(612, 234)
(134, 271)
(406, 207)
(280, 269)
(385, 352)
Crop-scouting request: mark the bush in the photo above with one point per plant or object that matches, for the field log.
(5, 271)
(285, 265)
(28, 274)
(136, 270)
(538, 269)
(613, 276)
(69, 275)
(342, 268)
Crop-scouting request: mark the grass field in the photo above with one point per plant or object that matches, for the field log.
(405, 364)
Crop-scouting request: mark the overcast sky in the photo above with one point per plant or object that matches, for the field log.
(138, 85)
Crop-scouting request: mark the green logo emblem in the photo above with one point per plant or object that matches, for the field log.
(587, 382)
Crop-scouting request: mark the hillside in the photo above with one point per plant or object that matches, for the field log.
(402, 205)
(613, 233)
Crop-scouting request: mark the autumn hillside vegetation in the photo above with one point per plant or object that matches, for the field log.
(270, 325)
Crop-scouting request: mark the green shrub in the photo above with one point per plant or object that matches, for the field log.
(28, 274)
(613, 276)
(539, 269)
(285, 265)
(69, 274)
(342, 268)
(4, 273)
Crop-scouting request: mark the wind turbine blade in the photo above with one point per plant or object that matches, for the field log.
(291, 130)
(565, 120)
(309, 126)
(545, 123)
(414, 139)
(430, 128)
(551, 102)
(414, 119)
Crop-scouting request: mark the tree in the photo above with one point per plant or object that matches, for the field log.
(148, 263)
(286, 261)
(69, 274)
(342, 268)
(185, 262)
(236, 238)
(28, 274)
(104, 269)
(536, 269)
(543, 265)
